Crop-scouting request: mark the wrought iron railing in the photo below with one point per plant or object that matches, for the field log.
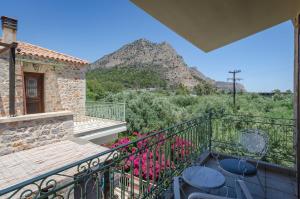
(94, 112)
(226, 130)
(143, 168)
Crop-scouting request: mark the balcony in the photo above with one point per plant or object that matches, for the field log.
(145, 168)
(99, 122)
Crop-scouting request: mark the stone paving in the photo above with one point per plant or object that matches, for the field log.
(24, 165)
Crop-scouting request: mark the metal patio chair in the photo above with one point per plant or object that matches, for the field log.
(252, 142)
(242, 192)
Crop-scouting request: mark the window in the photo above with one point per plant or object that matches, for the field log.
(32, 88)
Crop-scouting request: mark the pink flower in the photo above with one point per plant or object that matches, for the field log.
(144, 156)
(136, 163)
(136, 172)
(141, 155)
(133, 149)
(140, 144)
(136, 133)
(131, 158)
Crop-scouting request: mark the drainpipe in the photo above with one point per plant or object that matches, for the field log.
(12, 81)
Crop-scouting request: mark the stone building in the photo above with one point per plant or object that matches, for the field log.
(42, 97)
(46, 81)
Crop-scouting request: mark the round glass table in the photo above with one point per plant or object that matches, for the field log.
(203, 177)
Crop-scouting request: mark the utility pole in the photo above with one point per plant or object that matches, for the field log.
(234, 79)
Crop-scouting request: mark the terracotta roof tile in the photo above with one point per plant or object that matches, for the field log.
(24, 48)
(30, 49)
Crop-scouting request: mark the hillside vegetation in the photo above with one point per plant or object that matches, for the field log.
(146, 111)
(100, 82)
(178, 91)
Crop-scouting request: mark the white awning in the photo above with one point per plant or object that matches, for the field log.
(210, 24)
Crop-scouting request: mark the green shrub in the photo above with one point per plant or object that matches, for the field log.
(146, 111)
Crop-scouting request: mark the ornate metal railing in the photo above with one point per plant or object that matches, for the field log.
(143, 168)
(226, 130)
(94, 112)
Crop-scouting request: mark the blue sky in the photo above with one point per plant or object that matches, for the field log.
(92, 28)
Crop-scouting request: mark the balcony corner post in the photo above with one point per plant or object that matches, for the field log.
(296, 23)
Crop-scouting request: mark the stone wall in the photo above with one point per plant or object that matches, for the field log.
(4, 87)
(29, 131)
(64, 85)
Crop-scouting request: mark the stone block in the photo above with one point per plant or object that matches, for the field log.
(42, 138)
(17, 144)
(54, 130)
(5, 151)
(9, 138)
(25, 135)
(45, 132)
(30, 140)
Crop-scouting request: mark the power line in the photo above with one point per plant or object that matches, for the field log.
(234, 79)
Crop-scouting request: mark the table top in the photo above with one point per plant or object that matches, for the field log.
(203, 177)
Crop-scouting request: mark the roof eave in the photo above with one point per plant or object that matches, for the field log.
(213, 24)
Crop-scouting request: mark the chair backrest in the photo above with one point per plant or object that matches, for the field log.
(254, 141)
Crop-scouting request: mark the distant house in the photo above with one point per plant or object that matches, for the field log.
(43, 98)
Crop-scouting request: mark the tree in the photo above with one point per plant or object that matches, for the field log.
(182, 90)
(204, 88)
(276, 91)
(277, 95)
(95, 91)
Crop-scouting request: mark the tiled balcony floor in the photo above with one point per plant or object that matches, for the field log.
(278, 184)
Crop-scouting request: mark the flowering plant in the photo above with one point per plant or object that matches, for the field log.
(147, 158)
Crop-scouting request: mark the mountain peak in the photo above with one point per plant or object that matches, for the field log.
(145, 53)
(142, 41)
(161, 57)
(141, 51)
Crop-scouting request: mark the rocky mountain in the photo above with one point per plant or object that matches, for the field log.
(227, 86)
(161, 56)
(197, 74)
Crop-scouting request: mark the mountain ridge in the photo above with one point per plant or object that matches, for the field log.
(163, 57)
